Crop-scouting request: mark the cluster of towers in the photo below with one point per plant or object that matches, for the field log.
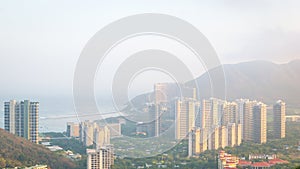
(214, 123)
(22, 119)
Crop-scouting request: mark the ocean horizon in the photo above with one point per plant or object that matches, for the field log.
(56, 112)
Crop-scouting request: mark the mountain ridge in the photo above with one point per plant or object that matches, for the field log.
(262, 80)
(258, 80)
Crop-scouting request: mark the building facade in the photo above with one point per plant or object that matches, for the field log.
(260, 121)
(101, 158)
(72, 129)
(279, 119)
(22, 119)
(185, 110)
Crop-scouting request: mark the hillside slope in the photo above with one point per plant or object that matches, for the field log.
(256, 80)
(17, 151)
(261, 80)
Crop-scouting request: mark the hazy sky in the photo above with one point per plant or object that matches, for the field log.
(40, 40)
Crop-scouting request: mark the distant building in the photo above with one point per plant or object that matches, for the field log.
(260, 123)
(101, 158)
(279, 119)
(94, 134)
(212, 111)
(87, 133)
(101, 136)
(161, 95)
(185, 110)
(73, 129)
(224, 136)
(213, 139)
(22, 119)
(240, 113)
(238, 137)
(115, 129)
(230, 113)
(232, 135)
(145, 128)
(262, 156)
(265, 161)
(248, 120)
(164, 94)
(293, 118)
(206, 117)
(38, 167)
(227, 161)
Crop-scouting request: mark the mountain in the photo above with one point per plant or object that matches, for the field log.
(261, 80)
(16, 152)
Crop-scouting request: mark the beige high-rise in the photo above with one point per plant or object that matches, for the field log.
(185, 117)
(279, 119)
(260, 123)
(231, 134)
(248, 120)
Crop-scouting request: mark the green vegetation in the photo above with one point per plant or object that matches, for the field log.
(285, 149)
(70, 144)
(76, 147)
(14, 152)
(174, 158)
(19, 152)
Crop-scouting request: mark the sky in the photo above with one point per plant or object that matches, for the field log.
(41, 40)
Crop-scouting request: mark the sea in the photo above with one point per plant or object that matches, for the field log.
(55, 113)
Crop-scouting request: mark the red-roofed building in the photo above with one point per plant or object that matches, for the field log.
(260, 165)
(227, 161)
(277, 161)
(244, 163)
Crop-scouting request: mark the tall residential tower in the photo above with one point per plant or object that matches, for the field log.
(279, 119)
(22, 119)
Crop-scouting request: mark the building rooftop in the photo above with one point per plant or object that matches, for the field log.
(261, 164)
(244, 163)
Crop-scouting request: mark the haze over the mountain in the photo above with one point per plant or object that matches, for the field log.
(261, 80)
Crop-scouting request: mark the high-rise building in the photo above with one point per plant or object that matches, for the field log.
(260, 123)
(164, 94)
(161, 98)
(114, 129)
(205, 114)
(101, 158)
(94, 134)
(212, 110)
(22, 119)
(223, 136)
(238, 134)
(101, 136)
(197, 141)
(198, 114)
(88, 133)
(248, 120)
(213, 139)
(230, 111)
(185, 117)
(231, 134)
(203, 140)
(215, 111)
(240, 113)
(10, 116)
(72, 129)
(279, 119)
